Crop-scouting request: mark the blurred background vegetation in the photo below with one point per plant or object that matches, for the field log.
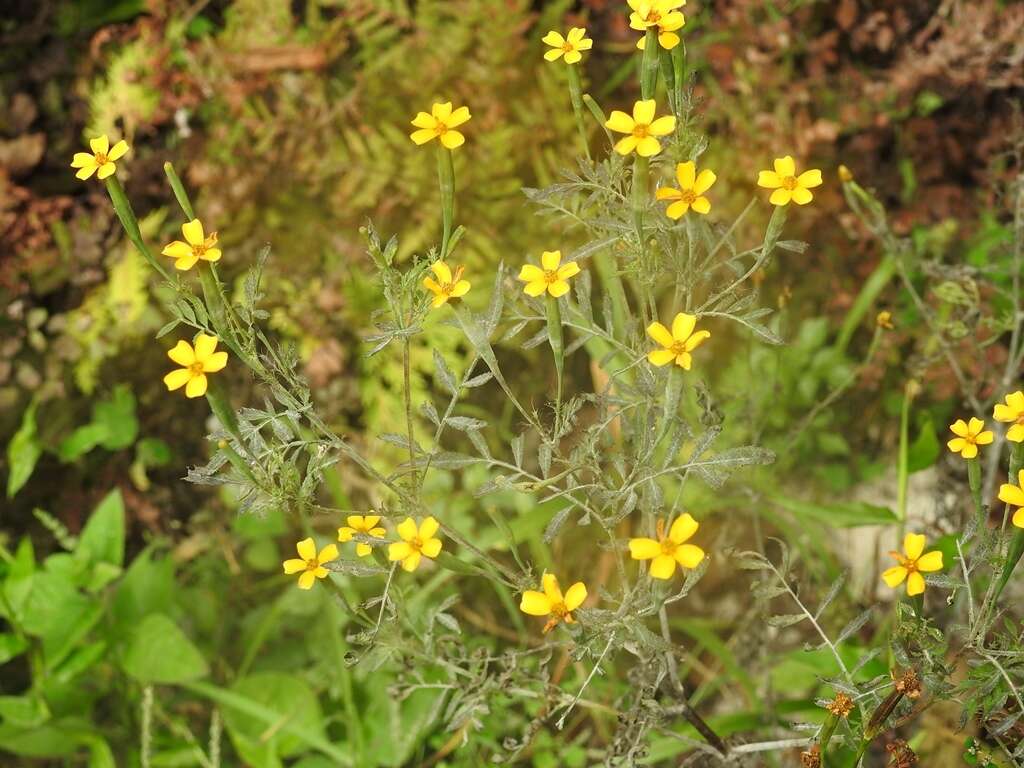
(288, 120)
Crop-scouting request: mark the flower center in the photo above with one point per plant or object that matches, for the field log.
(789, 182)
(567, 47)
(688, 196)
(678, 348)
(551, 276)
(559, 610)
(668, 547)
(312, 564)
(199, 249)
(653, 17)
(440, 128)
(640, 131)
(197, 368)
(906, 562)
(101, 158)
(416, 543)
(1020, 419)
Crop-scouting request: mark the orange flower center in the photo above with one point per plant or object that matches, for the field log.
(100, 158)
(416, 543)
(906, 562)
(196, 368)
(640, 130)
(551, 276)
(567, 47)
(668, 547)
(653, 17)
(678, 348)
(440, 128)
(790, 183)
(312, 564)
(687, 196)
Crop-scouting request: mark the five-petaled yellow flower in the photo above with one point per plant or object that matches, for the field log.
(549, 276)
(568, 46)
(441, 124)
(642, 129)
(662, 14)
(101, 160)
(671, 550)
(415, 543)
(968, 437)
(676, 344)
(310, 563)
(447, 286)
(1012, 413)
(912, 563)
(1014, 496)
(787, 185)
(196, 363)
(366, 524)
(198, 245)
(551, 602)
(690, 194)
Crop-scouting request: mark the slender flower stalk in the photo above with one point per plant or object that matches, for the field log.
(446, 182)
(576, 97)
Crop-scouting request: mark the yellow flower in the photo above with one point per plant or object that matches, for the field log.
(668, 551)
(551, 602)
(1012, 413)
(912, 563)
(661, 14)
(787, 185)
(642, 129)
(440, 123)
(196, 363)
(197, 245)
(552, 278)
(366, 524)
(310, 563)
(101, 161)
(568, 46)
(690, 194)
(968, 437)
(447, 286)
(884, 320)
(1014, 496)
(677, 344)
(415, 543)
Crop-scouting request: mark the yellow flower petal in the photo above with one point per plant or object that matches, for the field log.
(696, 340)
(212, 254)
(643, 111)
(215, 362)
(306, 549)
(398, 550)
(551, 588)
(959, 428)
(86, 172)
(441, 111)
(118, 150)
(915, 584)
(689, 556)
(1015, 434)
(452, 139)
(412, 562)
(458, 117)
(424, 120)
(196, 386)
(702, 205)
(780, 197)
(667, 193)
(554, 38)
(182, 353)
(802, 196)
(660, 357)
(619, 122)
(535, 288)
(186, 263)
(677, 210)
(626, 145)
(99, 145)
(684, 361)
(431, 548)
(894, 576)
(307, 580)
(531, 273)
(177, 379)
(930, 561)
(682, 326)
(648, 147)
(573, 57)
(1011, 494)
(407, 529)
(193, 232)
(686, 174)
(177, 250)
(913, 545)
(970, 451)
(107, 169)
(704, 181)
(370, 521)
(362, 550)
(575, 595)
(535, 603)
(644, 549)
(663, 566)
(205, 346)
(975, 425)
(984, 438)
(668, 40)
(558, 288)
(1018, 518)
(428, 528)
(956, 445)
(660, 334)
(345, 533)
(785, 166)
(809, 179)
(293, 566)
(550, 260)
(83, 160)
(461, 288)
(423, 135)
(663, 126)
(554, 54)
(327, 554)
(567, 270)
(769, 180)
(683, 528)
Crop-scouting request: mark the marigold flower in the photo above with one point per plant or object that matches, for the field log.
(642, 129)
(968, 437)
(912, 563)
(366, 524)
(1014, 496)
(551, 602)
(549, 276)
(661, 14)
(568, 46)
(690, 194)
(670, 550)
(196, 363)
(101, 160)
(676, 344)
(787, 185)
(441, 124)
(447, 286)
(310, 563)
(1012, 412)
(415, 543)
(197, 245)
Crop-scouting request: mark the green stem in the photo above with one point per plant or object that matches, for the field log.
(974, 479)
(1016, 549)
(554, 317)
(679, 76)
(446, 182)
(673, 396)
(827, 729)
(641, 173)
(668, 74)
(126, 215)
(608, 272)
(179, 191)
(872, 287)
(903, 473)
(576, 95)
(649, 64)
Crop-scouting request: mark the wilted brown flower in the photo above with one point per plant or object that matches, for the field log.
(900, 754)
(841, 705)
(811, 758)
(909, 684)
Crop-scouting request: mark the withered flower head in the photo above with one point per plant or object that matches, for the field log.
(841, 705)
(909, 684)
(900, 754)
(884, 320)
(811, 758)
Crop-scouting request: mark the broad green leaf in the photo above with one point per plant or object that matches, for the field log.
(925, 450)
(159, 652)
(290, 699)
(23, 452)
(102, 539)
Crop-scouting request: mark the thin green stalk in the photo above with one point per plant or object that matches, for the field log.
(649, 64)
(554, 317)
(873, 286)
(679, 76)
(668, 74)
(576, 96)
(641, 174)
(446, 182)
(179, 191)
(126, 215)
(598, 115)
(974, 480)
(608, 272)
(903, 464)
